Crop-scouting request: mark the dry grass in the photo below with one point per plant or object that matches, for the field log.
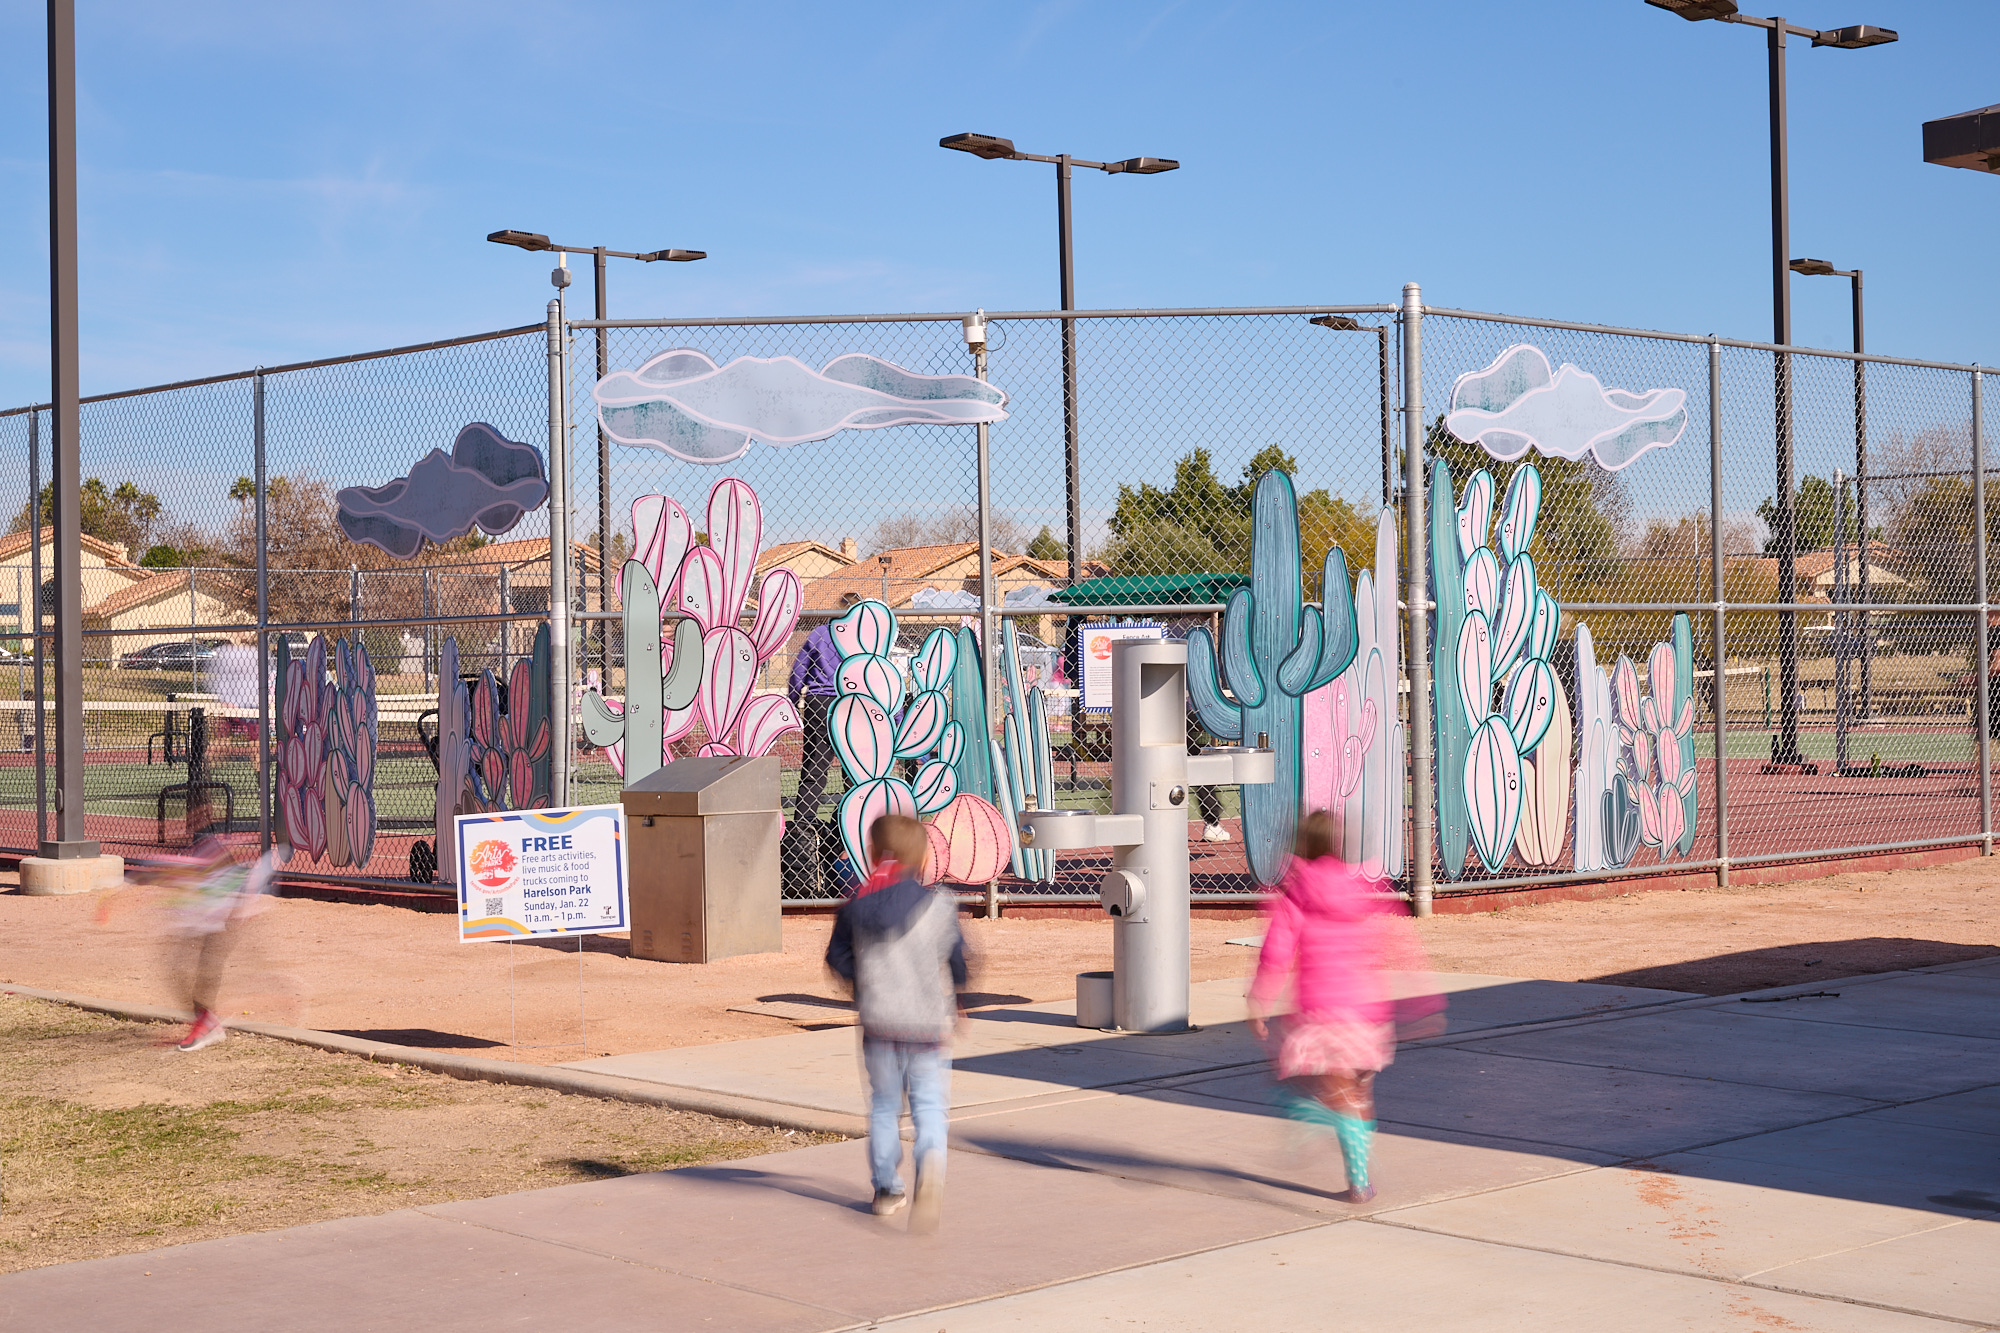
(112, 1141)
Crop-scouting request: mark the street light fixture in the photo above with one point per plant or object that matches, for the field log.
(1970, 139)
(1349, 324)
(1784, 746)
(534, 240)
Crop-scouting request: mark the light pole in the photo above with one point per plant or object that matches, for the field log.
(1348, 324)
(1785, 746)
(997, 149)
(531, 240)
(987, 146)
(1820, 268)
(65, 421)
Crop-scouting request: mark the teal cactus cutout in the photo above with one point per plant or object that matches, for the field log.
(968, 709)
(635, 729)
(1022, 765)
(1274, 651)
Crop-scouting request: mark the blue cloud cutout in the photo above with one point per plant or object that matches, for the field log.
(1516, 403)
(683, 403)
(487, 481)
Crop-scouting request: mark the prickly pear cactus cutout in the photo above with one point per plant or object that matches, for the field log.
(1497, 629)
(326, 753)
(1656, 741)
(1275, 650)
(684, 606)
(873, 724)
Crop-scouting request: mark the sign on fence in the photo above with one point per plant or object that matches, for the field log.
(1097, 641)
(523, 874)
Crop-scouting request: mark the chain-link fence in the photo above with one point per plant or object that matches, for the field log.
(1850, 722)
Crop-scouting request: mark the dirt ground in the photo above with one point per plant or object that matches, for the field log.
(401, 976)
(112, 1141)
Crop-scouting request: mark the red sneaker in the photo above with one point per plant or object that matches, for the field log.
(207, 1031)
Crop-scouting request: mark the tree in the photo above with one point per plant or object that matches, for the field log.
(1584, 508)
(950, 528)
(1200, 526)
(123, 515)
(1045, 546)
(1813, 511)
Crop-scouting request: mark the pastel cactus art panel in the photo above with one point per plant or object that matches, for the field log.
(690, 662)
(1275, 651)
(1499, 790)
(326, 746)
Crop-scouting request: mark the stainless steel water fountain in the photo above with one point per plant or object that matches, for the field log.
(1146, 890)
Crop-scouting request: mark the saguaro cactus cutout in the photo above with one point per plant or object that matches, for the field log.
(1275, 650)
(707, 589)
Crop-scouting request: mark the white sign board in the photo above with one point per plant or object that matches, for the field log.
(524, 874)
(1096, 654)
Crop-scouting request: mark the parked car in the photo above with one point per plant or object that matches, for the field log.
(173, 655)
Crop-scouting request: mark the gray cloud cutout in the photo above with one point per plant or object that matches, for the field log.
(487, 481)
(683, 403)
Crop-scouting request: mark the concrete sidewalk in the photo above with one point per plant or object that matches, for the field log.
(1569, 1158)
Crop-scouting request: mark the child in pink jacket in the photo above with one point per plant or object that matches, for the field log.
(1332, 939)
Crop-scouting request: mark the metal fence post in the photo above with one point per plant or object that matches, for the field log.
(41, 683)
(559, 594)
(1719, 646)
(1416, 601)
(988, 646)
(1983, 702)
(263, 617)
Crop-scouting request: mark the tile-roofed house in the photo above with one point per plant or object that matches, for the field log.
(106, 571)
(162, 605)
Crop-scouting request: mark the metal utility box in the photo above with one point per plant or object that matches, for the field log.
(704, 860)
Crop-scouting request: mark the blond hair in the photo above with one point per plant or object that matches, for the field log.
(901, 839)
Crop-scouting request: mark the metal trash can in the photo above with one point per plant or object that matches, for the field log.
(1093, 1000)
(704, 860)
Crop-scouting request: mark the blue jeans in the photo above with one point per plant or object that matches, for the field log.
(923, 1070)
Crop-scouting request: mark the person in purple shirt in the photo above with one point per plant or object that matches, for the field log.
(814, 683)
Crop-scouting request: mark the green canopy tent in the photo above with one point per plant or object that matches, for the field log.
(1151, 590)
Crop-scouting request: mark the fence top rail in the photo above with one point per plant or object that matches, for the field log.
(462, 341)
(934, 317)
(1703, 339)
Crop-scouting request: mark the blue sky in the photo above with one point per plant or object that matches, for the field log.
(264, 183)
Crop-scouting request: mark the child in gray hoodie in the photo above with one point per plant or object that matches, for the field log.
(896, 946)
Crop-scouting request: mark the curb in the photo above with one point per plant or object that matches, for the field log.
(609, 1087)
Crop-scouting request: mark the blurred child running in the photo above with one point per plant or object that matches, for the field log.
(209, 893)
(899, 944)
(1333, 939)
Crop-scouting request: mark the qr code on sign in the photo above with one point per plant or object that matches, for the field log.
(493, 906)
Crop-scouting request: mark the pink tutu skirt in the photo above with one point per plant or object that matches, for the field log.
(1309, 1047)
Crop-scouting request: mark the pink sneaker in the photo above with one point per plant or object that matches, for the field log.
(207, 1031)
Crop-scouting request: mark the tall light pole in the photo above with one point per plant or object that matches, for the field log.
(65, 422)
(1785, 747)
(532, 240)
(987, 146)
(1819, 268)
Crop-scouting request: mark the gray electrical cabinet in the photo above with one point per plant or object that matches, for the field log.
(704, 860)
